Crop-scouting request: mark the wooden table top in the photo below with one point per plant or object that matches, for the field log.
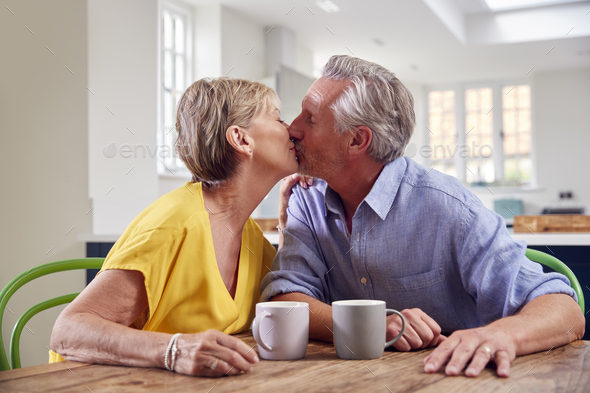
(563, 369)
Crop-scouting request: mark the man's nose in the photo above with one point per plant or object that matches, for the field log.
(294, 129)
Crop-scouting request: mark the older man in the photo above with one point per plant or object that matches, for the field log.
(380, 226)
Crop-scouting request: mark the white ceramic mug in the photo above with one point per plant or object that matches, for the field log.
(281, 330)
(360, 328)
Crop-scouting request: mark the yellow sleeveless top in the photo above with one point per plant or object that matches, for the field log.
(170, 242)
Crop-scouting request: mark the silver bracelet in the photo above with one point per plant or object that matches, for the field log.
(279, 228)
(171, 352)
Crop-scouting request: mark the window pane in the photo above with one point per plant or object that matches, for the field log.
(488, 170)
(479, 122)
(508, 100)
(480, 171)
(517, 128)
(179, 72)
(434, 100)
(442, 116)
(524, 121)
(168, 70)
(525, 169)
(179, 35)
(509, 145)
(447, 168)
(176, 96)
(486, 99)
(510, 169)
(443, 131)
(509, 121)
(470, 99)
(168, 110)
(524, 96)
(450, 169)
(167, 31)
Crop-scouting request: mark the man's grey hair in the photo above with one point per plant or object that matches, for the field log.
(376, 99)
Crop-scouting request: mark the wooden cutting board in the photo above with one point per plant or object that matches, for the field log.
(552, 223)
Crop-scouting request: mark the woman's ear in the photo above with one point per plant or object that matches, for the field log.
(239, 139)
(360, 140)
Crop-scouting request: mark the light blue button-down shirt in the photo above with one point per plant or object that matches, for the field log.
(419, 239)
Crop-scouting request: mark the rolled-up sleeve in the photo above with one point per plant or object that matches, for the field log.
(298, 265)
(495, 270)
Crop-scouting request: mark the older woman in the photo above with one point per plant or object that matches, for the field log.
(192, 261)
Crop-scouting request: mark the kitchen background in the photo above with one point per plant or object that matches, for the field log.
(88, 88)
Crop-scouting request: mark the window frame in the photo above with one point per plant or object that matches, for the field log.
(497, 128)
(172, 168)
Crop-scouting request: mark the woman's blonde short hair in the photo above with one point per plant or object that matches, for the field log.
(205, 111)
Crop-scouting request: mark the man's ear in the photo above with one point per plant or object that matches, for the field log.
(239, 139)
(360, 140)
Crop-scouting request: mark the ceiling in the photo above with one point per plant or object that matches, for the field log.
(434, 41)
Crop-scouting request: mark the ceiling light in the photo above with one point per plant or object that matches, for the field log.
(498, 5)
(328, 6)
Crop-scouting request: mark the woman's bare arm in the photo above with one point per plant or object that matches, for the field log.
(95, 328)
(285, 191)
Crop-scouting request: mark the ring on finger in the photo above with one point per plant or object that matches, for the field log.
(487, 350)
(215, 363)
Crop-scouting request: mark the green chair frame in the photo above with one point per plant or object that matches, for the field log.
(22, 279)
(559, 267)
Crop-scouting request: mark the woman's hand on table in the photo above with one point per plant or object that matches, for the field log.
(285, 191)
(199, 352)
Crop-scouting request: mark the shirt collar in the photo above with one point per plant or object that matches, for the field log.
(381, 196)
(332, 202)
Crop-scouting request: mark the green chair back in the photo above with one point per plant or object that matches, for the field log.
(22, 279)
(559, 267)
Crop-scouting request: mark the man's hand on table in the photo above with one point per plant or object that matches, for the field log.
(474, 349)
(421, 330)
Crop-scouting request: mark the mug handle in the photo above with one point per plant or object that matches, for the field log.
(256, 330)
(389, 312)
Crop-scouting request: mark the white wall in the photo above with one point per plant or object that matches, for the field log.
(304, 61)
(123, 77)
(44, 177)
(242, 46)
(207, 42)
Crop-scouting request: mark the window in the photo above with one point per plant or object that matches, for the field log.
(478, 125)
(175, 76)
(516, 133)
(482, 134)
(443, 131)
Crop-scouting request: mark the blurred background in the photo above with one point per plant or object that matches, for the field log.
(88, 92)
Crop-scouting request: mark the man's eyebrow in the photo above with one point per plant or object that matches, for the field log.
(307, 108)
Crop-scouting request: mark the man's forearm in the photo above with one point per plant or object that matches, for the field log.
(546, 321)
(320, 315)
